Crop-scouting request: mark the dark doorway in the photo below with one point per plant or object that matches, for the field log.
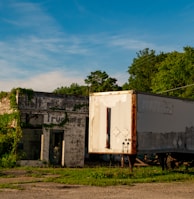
(56, 139)
(30, 144)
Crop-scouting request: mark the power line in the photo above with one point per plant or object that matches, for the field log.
(177, 88)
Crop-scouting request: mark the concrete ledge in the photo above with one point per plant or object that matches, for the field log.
(32, 163)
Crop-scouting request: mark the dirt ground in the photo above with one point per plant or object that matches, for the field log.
(138, 191)
(27, 189)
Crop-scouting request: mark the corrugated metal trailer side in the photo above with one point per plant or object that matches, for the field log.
(164, 124)
(130, 122)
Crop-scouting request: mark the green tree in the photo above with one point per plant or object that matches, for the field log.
(73, 89)
(125, 86)
(175, 74)
(99, 81)
(143, 69)
(10, 131)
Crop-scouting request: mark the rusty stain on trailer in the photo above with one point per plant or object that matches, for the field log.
(133, 126)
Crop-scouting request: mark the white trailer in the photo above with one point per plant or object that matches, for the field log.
(130, 122)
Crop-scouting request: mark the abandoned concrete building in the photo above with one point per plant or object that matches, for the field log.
(54, 127)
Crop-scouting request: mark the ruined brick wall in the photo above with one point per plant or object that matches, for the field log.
(5, 106)
(52, 113)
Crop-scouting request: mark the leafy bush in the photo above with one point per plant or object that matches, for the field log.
(10, 132)
(8, 160)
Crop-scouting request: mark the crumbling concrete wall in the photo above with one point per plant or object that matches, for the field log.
(55, 115)
(6, 109)
(5, 106)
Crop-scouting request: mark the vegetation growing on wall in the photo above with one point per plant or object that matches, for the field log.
(28, 92)
(10, 129)
(62, 123)
(79, 106)
(73, 89)
(3, 94)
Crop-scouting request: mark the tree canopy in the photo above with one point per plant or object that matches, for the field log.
(169, 73)
(99, 81)
(73, 89)
(143, 70)
(176, 74)
(166, 73)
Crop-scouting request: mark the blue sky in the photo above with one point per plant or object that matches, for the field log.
(45, 44)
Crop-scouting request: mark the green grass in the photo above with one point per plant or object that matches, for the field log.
(108, 176)
(104, 176)
(10, 186)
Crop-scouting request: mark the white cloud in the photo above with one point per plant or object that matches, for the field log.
(127, 43)
(42, 56)
(121, 77)
(31, 16)
(46, 82)
(81, 9)
(33, 53)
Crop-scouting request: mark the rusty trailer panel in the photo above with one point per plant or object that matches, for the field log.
(130, 122)
(134, 124)
(110, 118)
